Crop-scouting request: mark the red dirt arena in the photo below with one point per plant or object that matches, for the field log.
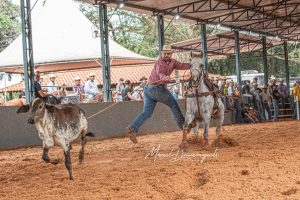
(261, 161)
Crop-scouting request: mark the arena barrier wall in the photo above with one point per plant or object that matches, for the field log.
(15, 132)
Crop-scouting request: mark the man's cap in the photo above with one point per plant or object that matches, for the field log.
(91, 74)
(77, 78)
(143, 78)
(281, 79)
(167, 48)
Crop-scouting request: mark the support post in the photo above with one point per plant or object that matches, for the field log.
(161, 34)
(105, 59)
(265, 60)
(238, 58)
(286, 65)
(27, 49)
(204, 46)
(297, 108)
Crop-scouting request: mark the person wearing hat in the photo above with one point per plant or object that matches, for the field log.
(137, 93)
(78, 87)
(144, 81)
(120, 86)
(266, 99)
(52, 88)
(91, 89)
(156, 91)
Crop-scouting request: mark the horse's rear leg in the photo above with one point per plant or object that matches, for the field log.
(205, 134)
(220, 121)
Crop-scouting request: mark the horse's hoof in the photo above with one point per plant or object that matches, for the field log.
(206, 144)
(54, 162)
(183, 145)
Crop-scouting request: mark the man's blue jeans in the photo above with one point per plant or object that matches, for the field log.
(152, 95)
(275, 103)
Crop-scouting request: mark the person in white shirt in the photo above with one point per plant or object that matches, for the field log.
(52, 88)
(91, 88)
(231, 90)
(137, 93)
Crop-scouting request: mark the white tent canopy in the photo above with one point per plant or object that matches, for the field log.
(61, 33)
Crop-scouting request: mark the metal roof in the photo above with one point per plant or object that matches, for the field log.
(223, 44)
(269, 17)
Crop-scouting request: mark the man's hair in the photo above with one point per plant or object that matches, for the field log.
(127, 82)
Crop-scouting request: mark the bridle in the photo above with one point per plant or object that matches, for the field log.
(195, 81)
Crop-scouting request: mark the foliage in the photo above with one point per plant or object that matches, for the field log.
(9, 24)
(139, 32)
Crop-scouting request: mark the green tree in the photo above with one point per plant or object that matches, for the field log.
(138, 32)
(9, 24)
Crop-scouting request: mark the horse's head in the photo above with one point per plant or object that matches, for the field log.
(197, 71)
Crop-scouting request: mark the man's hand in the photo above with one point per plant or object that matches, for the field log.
(167, 78)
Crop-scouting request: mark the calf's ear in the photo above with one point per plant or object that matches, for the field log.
(49, 107)
(23, 109)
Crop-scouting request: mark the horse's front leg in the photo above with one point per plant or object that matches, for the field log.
(189, 119)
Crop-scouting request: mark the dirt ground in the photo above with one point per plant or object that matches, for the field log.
(264, 165)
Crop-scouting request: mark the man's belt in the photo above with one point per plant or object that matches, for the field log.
(156, 85)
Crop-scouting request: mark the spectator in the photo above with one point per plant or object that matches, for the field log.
(137, 93)
(246, 88)
(91, 88)
(119, 88)
(296, 93)
(38, 92)
(266, 101)
(174, 91)
(223, 88)
(127, 92)
(255, 79)
(78, 88)
(231, 90)
(246, 92)
(257, 100)
(144, 81)
(275, 98)
(282, 89)
(238, 105)
(52, 88)
(22, 94)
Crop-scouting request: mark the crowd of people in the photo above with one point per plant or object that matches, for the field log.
(87, 91)
(254, 102)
